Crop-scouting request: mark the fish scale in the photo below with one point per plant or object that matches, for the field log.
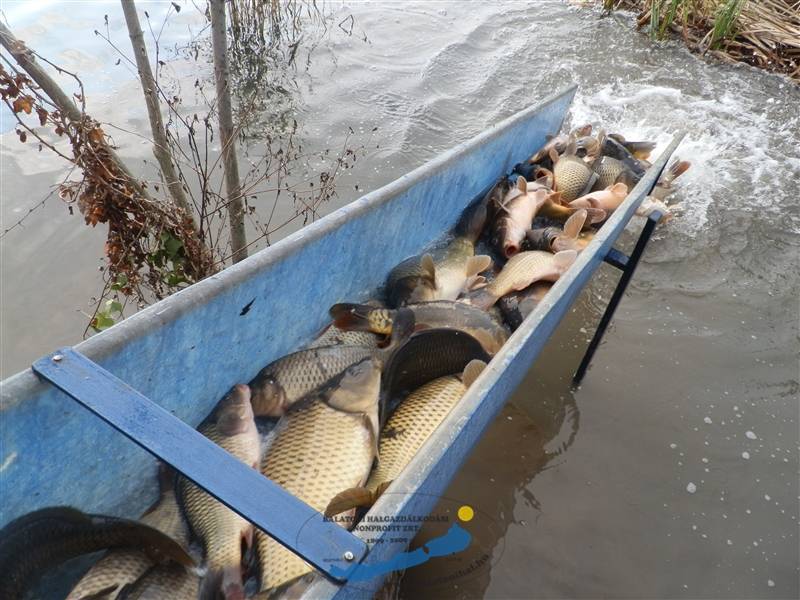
(571, 175)
(333, 336)
(317, 452)
(411, 424)
(164, 582)
(218, 528)
(517, 272)
(115, 569)
(607, 172)
(302, 372)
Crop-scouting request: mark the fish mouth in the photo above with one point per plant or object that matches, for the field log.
(510, 249)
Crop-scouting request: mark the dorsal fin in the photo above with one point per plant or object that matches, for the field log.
(574, 224)
(471, 371)
(478, 264)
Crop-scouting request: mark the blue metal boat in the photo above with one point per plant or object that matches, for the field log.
(153, 377)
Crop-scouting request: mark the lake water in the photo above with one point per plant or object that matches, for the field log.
(673, 471)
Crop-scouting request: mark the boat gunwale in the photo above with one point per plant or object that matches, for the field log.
(149, 319)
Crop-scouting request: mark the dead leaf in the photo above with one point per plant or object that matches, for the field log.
(23, 104)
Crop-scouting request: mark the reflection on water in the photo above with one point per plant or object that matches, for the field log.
(530, 435)
(697, 380)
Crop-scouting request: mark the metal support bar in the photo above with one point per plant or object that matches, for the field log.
(617, 259)
(627, 264)
(243, 489)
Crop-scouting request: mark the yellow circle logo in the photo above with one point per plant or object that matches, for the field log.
(465, 513)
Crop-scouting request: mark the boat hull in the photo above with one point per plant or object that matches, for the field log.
(186, 351)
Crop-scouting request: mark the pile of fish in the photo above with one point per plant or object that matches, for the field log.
(375, 384)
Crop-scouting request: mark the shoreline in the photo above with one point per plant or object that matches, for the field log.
(763, 34)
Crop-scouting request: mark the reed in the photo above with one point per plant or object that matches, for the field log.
(762, 33)
(725, 21)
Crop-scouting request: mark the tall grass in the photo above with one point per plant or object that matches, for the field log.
(725, 21)
(662, 15)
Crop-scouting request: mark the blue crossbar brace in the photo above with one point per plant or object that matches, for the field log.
(244, 490)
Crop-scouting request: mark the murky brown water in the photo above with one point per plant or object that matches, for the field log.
(697, 382)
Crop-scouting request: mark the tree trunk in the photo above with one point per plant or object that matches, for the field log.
(160, 146)
(25, 59)
(232, 184)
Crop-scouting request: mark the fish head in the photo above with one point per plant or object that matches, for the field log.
(268, 397)
(358, 389)
(587, 148)
(235, 411)
(510, 238)
(582, 130)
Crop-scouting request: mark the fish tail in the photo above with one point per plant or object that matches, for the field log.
(362, 317)
(402, 326)
(225, 580)
(640, 149)
(473, 221)
(482, 298)
(355, 497)
(675, 170)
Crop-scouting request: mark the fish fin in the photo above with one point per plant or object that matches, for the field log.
(553, 154)
(382, 487)
(618, 137)
(583, 203)
(478, 264)
(429, 266)
(351, 317)
(575, 223)
(618, 188)
(225, 579)
(473, 220)
(545, 180)
(640, 150)
(402, 326)
(556, 198)
(583, 130)
(248, 532)
(676, 169)
(482, 299)
(476, 283)
(596, 215)
(471, 371)
(355, 497)
(564, 259)
(522, 184)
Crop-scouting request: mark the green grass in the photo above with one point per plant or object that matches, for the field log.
(662, 15)
(725, 21)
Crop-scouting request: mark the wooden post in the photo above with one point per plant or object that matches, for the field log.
(160, 145)
(232, 184)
